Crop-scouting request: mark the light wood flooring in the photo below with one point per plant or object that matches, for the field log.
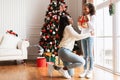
(29, 71)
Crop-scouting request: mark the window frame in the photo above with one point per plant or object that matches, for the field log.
(116, 54)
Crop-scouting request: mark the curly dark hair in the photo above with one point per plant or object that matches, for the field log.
(91, 8)
(63, 22)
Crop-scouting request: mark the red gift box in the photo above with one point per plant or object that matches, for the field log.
(41, 62)
(83, 21)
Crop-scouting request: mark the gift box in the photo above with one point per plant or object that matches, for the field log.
(53, 59)
(50, 59)
(83, 21)
(41, 62)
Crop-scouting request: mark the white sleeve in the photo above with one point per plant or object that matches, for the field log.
(76, 35)
(79, 27)
(91, 23)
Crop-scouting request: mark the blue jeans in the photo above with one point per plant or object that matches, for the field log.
(70, 59)
(87, 47)
(70, 71)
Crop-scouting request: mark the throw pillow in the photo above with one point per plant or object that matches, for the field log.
(9, 41)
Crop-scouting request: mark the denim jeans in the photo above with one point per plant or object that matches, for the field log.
(87, 47)
(70, 59)
(70, 71)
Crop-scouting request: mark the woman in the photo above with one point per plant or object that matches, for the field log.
(68, 37)
(87, 44)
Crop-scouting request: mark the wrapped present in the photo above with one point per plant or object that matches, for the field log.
(83, 21)
(50, 57)
(48, 54)
(53, 59)
(41, 62)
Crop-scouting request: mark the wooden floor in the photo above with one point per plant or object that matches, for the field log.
(29, 71)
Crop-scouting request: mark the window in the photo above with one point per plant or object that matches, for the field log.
(107, 41)
(103, 41)
(118, 36)
(100, 1)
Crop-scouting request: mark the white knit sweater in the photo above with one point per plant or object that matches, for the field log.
(70, 36)
(91, 24)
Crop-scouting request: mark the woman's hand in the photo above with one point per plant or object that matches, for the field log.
(84, 25)
(92, 33)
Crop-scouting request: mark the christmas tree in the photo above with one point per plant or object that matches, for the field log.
(49, 39)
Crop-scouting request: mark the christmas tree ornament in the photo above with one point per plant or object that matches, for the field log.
(51, 8)
(48, 18)
(111, 8)
(50, 14)
(55, 41)
(55, 47)
(52, 50)
(55, 17)
(47, 37)
(43, 37)
(53, 12)
(57, 36)
(48, 50)
(56, 29)
(53, 25)
(56, 11)
(50, 30)
(53, 32)
(50, 42)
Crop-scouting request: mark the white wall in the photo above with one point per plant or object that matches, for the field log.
(26, 17)
(12, 16)
(35, 15)
(74, 8)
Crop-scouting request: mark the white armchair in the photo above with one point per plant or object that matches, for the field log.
(7, 50)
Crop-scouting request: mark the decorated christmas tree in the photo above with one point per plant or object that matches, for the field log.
(49, 39)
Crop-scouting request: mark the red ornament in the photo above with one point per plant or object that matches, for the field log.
(51, 31)
(47, 37)
(44, 47)
(53, 42)
(62, 0)
(41, 43)
(43, 30)
(55, 17)
(57, 36)
(50, 23)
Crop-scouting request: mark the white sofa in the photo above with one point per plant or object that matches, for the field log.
(13, 48)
